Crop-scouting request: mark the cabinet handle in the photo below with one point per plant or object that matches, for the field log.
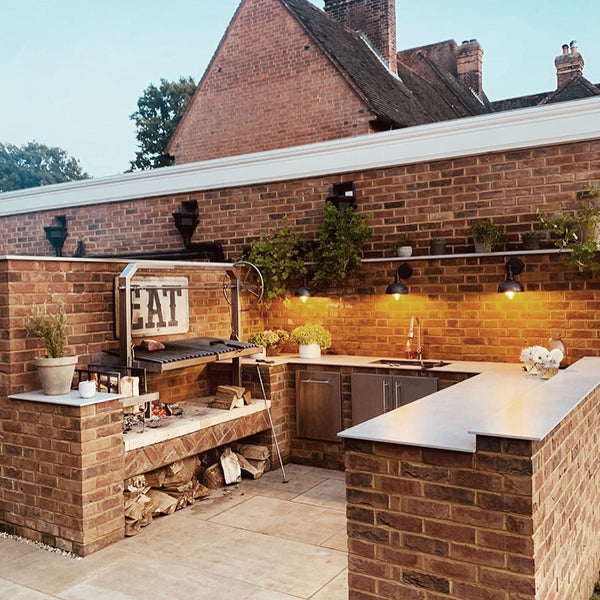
(386, 393)
(325, 381)
(397, 394)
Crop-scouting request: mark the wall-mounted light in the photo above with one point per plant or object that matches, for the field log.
(397, 288)
(304, 292)
(186, 220)
(57, 233)
(510, 286)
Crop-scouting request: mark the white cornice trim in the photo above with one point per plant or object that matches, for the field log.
(559, 123)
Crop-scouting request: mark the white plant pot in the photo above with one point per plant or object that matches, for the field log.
(56, 374)
(87, 389)
(482, 246)
(404, 251)
(259, 355)
(309, 350)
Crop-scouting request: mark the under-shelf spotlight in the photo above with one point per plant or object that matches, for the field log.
(304, 292)
(510, 286)
(397, 288)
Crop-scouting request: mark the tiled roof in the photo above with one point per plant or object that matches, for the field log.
(402, 101)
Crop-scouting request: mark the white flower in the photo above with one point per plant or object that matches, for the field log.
(556, 355)
(540, 356)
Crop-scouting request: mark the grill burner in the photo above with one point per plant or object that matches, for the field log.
(196, 351)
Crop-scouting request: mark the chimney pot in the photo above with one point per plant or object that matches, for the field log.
(565, 48)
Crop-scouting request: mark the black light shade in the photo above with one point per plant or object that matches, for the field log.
(57, 233)
(397, 288)
(304, 291)
(510, 285)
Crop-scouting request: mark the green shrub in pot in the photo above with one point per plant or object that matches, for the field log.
(55, 369)
(486, 234)
(312, 338)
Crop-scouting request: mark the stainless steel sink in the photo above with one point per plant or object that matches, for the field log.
(410, 362)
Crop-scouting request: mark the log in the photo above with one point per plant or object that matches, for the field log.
(162, 502)
(247, 467)
(132, 527)
(136, 507)
(261, 465)
(232, 472)
(254, 452)
(228, 390)
(181, 471)
(156, 478)
(213, 478)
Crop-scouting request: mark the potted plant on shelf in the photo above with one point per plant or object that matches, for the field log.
(531, 240)
(271, 340)
(55, 368)
(403, 246)
(437, 245)
(311, 339)
(578, 230)
(486, 234)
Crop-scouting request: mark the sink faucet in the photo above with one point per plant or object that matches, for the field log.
(410, 353)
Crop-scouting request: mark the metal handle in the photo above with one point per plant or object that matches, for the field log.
(386, 395)
(325, 381)
(397, 394)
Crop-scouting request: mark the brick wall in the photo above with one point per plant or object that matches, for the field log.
(268, 86)
(513, 521)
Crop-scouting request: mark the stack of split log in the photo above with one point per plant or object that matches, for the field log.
(165, 490)
(231, 396)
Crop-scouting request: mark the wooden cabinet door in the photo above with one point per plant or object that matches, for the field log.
(318, 405)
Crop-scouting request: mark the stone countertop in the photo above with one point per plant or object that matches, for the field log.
(501, 401)
(71, 399)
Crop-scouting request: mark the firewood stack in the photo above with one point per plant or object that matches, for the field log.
(229, 397)
(170, 488)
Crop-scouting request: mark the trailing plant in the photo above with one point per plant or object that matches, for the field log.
(575, 230)
(486, 232)
(340, 240)
(279, 256)
(51, 328)
(311, 334)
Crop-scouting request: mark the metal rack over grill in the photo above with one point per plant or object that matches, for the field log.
(183, 353)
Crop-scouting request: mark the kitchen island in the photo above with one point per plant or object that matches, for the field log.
(489, 489)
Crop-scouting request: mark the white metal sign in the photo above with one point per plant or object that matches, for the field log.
(159, 306)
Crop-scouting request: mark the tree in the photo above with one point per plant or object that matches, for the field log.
(34, 164)
(158, 114)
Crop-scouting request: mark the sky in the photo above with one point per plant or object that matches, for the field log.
(72, 72)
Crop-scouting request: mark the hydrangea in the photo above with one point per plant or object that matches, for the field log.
(540, 356)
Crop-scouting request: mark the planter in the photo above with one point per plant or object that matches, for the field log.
(309, 350)
(482, 246)
(531, 242)
(274, 350)
(404, 251)
(437, 246)
(56, 374)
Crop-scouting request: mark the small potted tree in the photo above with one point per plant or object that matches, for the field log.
(311, 339)
(271, 340)
(55, 368)
(486, 234)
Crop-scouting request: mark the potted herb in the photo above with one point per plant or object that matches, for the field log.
(404, 246)
(531, 240)
(486, 234)
(280, 258)
(437, 245)
(577, 230)
(339, 244)
(55, 369)
(311, 339)
(271, 340)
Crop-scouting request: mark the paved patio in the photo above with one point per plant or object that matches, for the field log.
(259, 540)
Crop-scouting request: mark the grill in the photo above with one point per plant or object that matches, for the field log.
(182, 353)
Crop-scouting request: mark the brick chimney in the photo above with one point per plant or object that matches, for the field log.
(469, 66)
(375, 18)
(568, 65)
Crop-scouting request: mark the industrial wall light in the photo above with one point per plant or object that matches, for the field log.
(510, 286)
(186, 220)
(397, 288)
(57, 233)
(304, 292)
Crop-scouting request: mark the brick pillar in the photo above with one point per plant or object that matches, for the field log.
(62, 473)
(469, 66)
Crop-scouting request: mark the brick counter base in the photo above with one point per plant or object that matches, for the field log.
(516, 520)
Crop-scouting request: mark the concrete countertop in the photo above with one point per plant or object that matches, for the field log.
(500, 400)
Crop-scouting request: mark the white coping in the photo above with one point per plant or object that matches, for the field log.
(195, 418)
(532, 127)
(71, 399)
(501, 401)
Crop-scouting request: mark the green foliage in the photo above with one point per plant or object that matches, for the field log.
(311, 334)
(34, 165)
(269, 337)
(486, 232)
(339, 246)
(278, 254)
(159, 111)
(575, 230)
(52, 329)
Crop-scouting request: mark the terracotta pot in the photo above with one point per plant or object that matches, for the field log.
(56, 374)
(274, 350)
